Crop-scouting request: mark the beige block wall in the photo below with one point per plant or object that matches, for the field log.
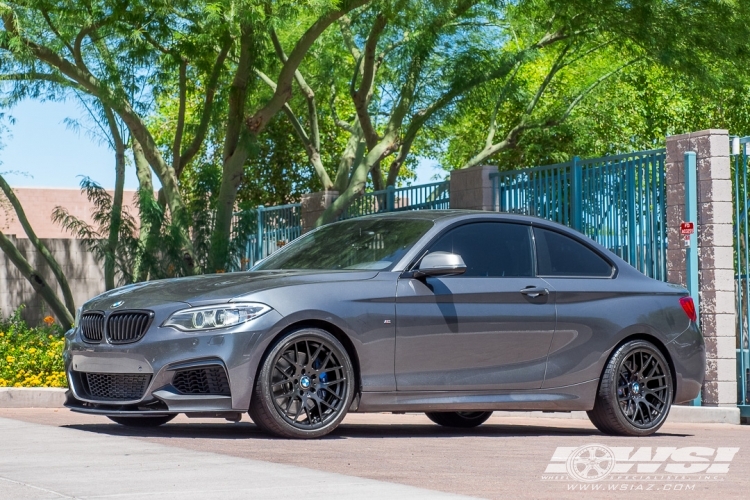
(715, 254)
(313, 205)
(85, 277)
(471, 188)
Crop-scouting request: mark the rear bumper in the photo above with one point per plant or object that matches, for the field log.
(688, 354)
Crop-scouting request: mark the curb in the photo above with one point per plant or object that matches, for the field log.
(51, 397)
(677, 415)
(32, 397)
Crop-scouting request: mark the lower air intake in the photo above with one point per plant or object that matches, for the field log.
(116, 386)
(205, 380)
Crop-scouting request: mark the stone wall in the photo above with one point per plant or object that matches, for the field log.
(85, 277)
(313, 205)
(715, 254)
(471, 188)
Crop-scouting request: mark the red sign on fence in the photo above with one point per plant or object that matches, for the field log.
(687, 228)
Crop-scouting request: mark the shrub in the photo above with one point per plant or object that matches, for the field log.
(31, 356)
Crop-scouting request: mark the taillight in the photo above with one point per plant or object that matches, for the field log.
(689, 307)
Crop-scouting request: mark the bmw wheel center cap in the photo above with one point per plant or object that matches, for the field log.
(304, 382)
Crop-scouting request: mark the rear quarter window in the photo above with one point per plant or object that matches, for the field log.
(560, 255)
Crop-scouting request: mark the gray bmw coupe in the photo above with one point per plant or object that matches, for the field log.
(451, 313)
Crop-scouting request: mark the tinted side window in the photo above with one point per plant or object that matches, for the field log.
(559, 255)
(491, 249)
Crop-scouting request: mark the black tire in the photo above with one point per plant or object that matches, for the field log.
(304, 387)
(459, 419)
(142, 421)
(635, 391)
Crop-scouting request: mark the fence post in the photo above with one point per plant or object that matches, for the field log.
(631, 213)
(260, 245)
(691, 250)
(716, 287)
(313, 205)
(390, 199)
(576, 193)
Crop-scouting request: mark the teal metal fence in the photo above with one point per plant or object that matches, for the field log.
(259, 232)
(618, 201)
(740, 184)
(434, 196)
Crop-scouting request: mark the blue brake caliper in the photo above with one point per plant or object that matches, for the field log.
(323, 378)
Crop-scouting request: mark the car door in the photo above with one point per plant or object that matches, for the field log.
(487, 329)
(586, 301)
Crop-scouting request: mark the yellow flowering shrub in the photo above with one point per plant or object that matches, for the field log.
(31, 356)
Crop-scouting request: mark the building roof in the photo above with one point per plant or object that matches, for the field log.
(39, 203)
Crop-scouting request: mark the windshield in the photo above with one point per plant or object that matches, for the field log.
(373, 244)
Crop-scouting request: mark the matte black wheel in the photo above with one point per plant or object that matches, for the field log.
(142, 421)
(305, 386)
(635, 392)
(459, 419)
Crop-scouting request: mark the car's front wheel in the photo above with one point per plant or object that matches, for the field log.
(143, 421)
(305, 386)
(459, 419)
(635, 392)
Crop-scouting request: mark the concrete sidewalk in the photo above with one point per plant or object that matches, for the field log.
(44, 462)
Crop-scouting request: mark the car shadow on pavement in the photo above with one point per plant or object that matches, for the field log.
(248, 430)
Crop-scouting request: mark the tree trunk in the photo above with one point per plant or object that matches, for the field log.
(37, 282)
(148, 231)
(358, 180)
(230, 181)
(41, 247)
(115, 223)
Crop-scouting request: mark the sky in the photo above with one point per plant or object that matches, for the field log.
(40, 150)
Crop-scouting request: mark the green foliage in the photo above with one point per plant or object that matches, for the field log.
(94, 237)
(31, 356)
(199, 86)
(279, 173)
(667, 68)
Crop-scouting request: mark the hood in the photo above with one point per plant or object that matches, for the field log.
(196, 290)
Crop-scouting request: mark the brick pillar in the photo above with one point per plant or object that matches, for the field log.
(313, 205)
(715, 255)
(471, 188)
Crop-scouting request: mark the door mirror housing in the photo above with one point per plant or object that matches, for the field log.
(440, 264)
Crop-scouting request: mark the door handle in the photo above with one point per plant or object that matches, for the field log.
(535, 291)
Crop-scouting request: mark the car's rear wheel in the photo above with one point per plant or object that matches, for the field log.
(142, 421)
(305, 386)
(635, 392)
(459, 419)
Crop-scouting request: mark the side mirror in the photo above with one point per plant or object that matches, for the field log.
(440, 264)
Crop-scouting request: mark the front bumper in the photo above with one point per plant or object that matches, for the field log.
(139, 378)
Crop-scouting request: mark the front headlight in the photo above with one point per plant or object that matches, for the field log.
(78, 318)
(198, 319)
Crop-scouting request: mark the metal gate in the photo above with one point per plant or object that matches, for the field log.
(619, 201)
(741, 197)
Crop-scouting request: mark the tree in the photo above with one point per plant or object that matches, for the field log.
(125, 53)
(689, 77)
(65, 311)
(423, 76)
